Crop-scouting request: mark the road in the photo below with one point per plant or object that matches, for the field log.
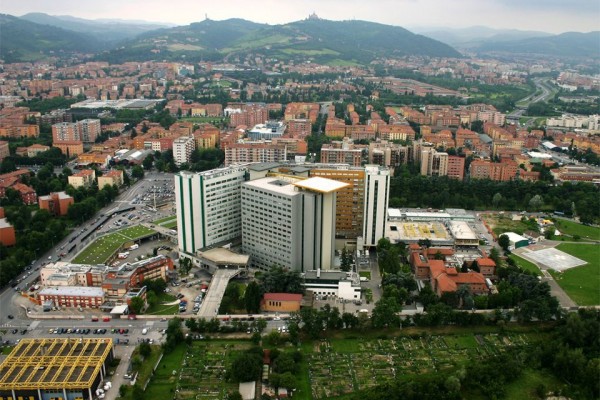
(210, 306)
(26, 279)
(542, 84)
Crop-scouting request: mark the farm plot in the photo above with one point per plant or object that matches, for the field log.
(201, 373)
(337, 368)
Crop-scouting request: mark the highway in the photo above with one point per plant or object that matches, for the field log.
(542, 84)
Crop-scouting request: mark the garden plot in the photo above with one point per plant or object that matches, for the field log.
(341, 367)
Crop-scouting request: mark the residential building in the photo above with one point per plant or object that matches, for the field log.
(243, 153)
(4, 150)
(36, 149)
(7, 233)
(377, 187)
(57, 203)
(182, 149)
(456, 167)
(69, 148)
(112, 177)
(83, 178)
(343, 152)
(433, 163)
(289, 222)
(208, 207)
(89, 129)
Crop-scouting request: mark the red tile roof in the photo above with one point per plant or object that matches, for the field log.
(283, 297)
(485, 262)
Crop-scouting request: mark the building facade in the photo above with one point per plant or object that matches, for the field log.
(182, 149)
(290, 223)
(377, 187)
(56, 203)
(208, 207)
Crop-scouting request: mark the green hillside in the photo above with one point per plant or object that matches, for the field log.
(322, 40)
(27, 41)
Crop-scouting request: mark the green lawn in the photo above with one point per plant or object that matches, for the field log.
(572, 228)
(525, 387)
(581, 283)
(163, 380)
(366, 274)
(170, 225)
(169, 218)
(162, 309)
(145, 369)
(100, 251)
(526, 265)
(135, 232)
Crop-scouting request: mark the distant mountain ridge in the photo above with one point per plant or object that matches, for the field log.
(323, 40)
(569, 44)
(484, 39)
(108, 32)
(23, 40)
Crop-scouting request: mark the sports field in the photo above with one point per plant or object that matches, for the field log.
(100, 251)
(581, 283)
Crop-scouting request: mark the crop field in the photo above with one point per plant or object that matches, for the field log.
(104, 247)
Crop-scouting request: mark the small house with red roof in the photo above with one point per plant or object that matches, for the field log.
(281, 302)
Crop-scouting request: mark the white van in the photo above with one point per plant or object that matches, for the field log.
(144, 331)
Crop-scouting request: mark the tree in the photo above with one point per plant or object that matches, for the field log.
(279, 280)
(136, 305)
(137, 172)
(496, 200)
(246, 367)
(549, 232)
(536, 202)
(137, 393)
(252, 298)
(504, 242)
(145, 349)
(234, 396)
(346, 260)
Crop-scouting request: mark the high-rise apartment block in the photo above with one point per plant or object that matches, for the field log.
(208, 207)
(183, 148)
(433, 162)
(289, 222)
(377, 188)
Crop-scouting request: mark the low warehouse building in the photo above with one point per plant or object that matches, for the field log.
(57, 368)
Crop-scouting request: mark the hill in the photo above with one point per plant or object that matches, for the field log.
(569, 44)
(322, 40)
(477, 36)
(27, 41)
(108, 32)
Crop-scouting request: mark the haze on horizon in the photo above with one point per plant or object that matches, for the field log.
(554, 16)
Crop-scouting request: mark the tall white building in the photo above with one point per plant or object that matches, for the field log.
(182, 149)
(377, 188)
(289, 222)
(208, 207)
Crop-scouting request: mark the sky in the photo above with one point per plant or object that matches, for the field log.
(554, 16)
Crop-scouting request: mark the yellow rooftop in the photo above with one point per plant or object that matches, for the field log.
(322, 185)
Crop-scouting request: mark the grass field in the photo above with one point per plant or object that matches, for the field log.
(366, 274)
(145, 369)
(165, 219)
(163, 381)
(163, 309)
(571, 228)
(526, 265)
(581, 283)
(103, 248)
(500, 223)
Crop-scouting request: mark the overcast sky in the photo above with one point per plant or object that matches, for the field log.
(554, 16)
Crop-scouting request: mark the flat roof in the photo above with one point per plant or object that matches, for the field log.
(322, 185)
(72, 291)
(223, 256)
(54, 363)
(462, 230)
